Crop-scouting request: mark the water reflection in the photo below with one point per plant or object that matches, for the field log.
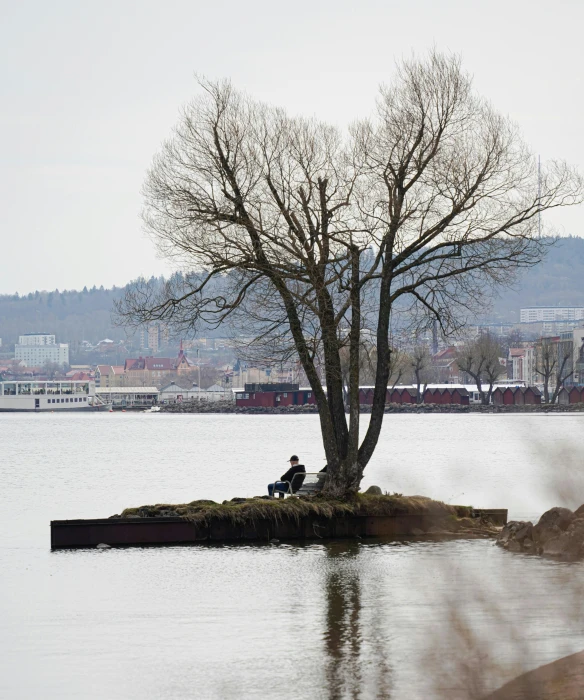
(356, 645)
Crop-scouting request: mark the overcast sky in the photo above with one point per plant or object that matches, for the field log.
(90, 89)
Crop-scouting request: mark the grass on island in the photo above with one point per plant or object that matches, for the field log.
(263, 509)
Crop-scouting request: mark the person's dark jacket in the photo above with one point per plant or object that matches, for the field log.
(299, 480)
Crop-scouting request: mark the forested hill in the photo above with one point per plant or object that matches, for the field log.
(557, 281)
(70, 315)
(86, 315)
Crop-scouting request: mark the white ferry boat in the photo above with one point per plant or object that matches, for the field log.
(50, 396)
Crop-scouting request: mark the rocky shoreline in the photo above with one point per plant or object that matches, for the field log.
(228, 407)
(559, 533)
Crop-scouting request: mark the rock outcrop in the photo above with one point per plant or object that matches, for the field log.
(559, 533)
(560, 680)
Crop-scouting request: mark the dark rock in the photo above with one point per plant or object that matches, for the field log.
(579, 512)
(525, 532)
(514, 534)
(551, 525)
(569, 544)
(562, 679)
(374, 491)
(559, 533)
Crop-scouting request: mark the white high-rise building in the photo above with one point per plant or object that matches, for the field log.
(36, 349)
(540, 314)
(36, 339)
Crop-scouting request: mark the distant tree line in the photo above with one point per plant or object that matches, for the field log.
(75, 315)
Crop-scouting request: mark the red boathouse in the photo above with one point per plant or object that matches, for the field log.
(516, 396)
(574, 394)
(272, 395)
(446, 395)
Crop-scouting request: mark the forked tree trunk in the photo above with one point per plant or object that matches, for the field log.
(344, 481)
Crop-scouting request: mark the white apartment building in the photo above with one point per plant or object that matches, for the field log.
(521, 365)
(541, 314)
(38, 354)
(36, 339)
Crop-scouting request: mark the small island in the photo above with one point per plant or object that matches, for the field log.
(261, 519)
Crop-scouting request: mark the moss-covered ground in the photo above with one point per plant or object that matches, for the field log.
(248, 510)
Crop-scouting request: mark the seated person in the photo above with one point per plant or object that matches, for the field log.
(281, 486)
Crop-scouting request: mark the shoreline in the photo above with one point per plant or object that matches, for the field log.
(188, 407)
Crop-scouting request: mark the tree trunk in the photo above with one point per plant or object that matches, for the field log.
(344, 481)
(479, 384)
(381, 375)
(419, 397)
(546, 391)
(561, 379)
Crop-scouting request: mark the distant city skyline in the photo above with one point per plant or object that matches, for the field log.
(90, 92)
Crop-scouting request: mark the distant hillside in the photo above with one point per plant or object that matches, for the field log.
(70, 315)
(557, 281)
(86, 315)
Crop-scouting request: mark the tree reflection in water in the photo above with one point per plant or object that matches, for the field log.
(356, 638)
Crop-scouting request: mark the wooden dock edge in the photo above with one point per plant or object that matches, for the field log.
(66, 534)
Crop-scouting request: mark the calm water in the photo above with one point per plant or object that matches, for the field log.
(325, 620)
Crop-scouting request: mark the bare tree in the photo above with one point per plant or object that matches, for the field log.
(480, 360)
(398, 366)
(566, 366)
(53, 369)
(308, 231)
(513, 339)
(419, 362)
(554, 364)
(367, 357)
